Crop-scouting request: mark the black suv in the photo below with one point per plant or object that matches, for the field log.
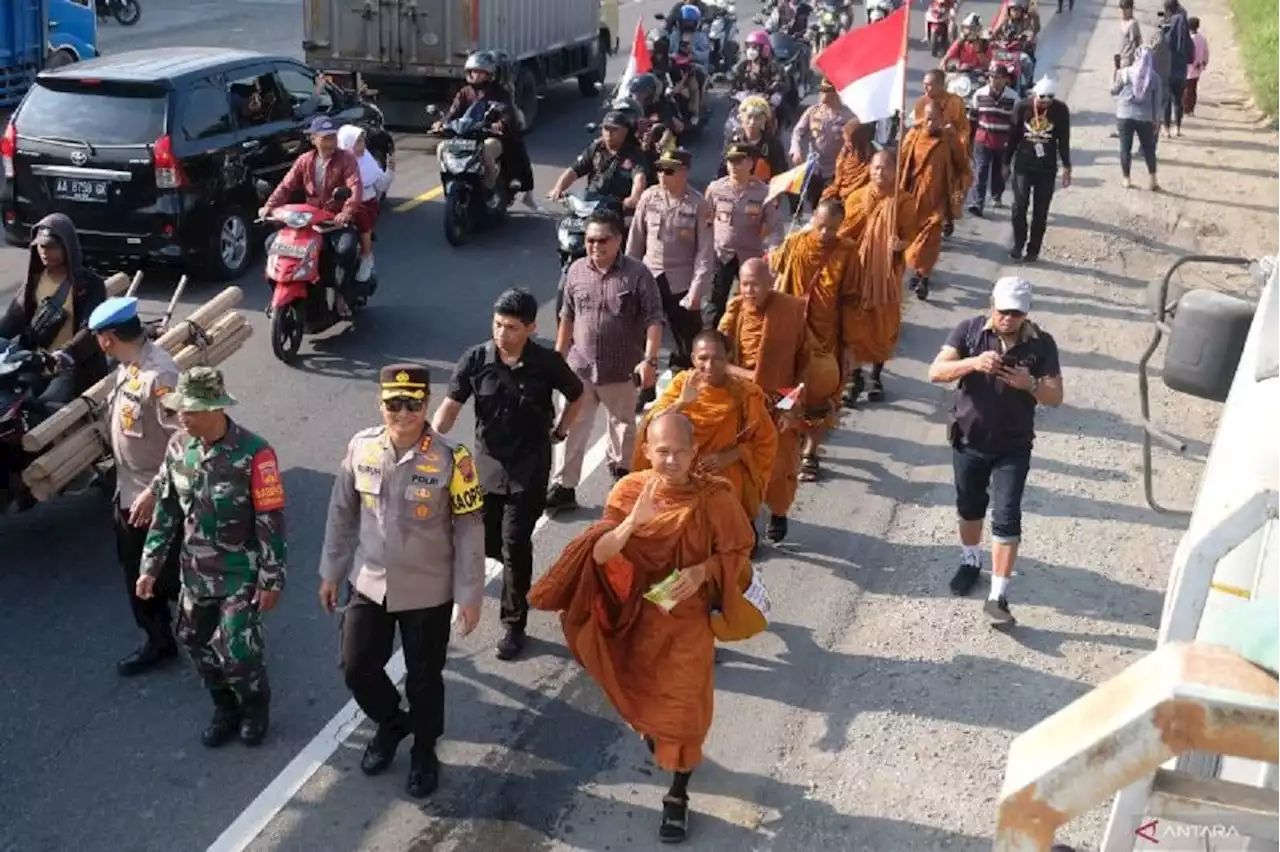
(154, 154)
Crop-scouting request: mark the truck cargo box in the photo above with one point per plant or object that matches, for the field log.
(22, 47)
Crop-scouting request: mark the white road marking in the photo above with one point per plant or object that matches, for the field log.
(254, 819)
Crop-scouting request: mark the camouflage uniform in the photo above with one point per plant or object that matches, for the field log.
(228, 502)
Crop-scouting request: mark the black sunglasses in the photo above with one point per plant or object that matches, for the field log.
(666, 170)
(397, 405)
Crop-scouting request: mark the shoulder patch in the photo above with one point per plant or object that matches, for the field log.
(264, 482)
(465, 494)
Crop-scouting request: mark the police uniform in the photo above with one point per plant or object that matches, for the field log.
(673, 238)
(407, 535)
(140, 428)
(744, 225)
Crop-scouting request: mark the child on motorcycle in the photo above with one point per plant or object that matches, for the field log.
(374, 182)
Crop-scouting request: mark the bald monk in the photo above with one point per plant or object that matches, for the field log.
(854, 160)
(820, 267)
(769, 345)
(934, 170)
(882, 234)
(734, 433)
(955, 112)
(654, 666)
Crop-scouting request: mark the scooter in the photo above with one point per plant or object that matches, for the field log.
(963, 82)
(126, 12)
(723, 33)
(468, 206)
(1012, 56)
(24, 374)
(571, 233)
(307, 270)
(940, 26)
(830, 22)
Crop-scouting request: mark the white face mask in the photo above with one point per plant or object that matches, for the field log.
(753, 53)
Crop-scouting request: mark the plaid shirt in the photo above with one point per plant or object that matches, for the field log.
(611, 312)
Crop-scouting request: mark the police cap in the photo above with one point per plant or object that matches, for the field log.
(737, 151)
(677, 159)
(404, 381)
(113, 312)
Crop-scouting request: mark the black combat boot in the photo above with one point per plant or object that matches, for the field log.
(226, 716)
(255, 718)
(424, 771)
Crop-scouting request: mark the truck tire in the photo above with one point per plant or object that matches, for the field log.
(60, 57)
(587, 80)
(527, 96)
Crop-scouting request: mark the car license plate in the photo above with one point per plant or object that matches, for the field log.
(296, 252)
(74, 189)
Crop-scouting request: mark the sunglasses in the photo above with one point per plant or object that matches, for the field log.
(395, 406)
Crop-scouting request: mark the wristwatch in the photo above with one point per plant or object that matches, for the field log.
(652, 362)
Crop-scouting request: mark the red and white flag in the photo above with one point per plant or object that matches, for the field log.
(639, 62)
(790, 397)
(868, 67)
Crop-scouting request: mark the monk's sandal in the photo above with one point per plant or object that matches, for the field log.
(675, 820)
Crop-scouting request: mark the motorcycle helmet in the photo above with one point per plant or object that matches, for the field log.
(642, 88)
(626, 119)
(759, 42)
(481, 61)
(690, 18)
(973, 24)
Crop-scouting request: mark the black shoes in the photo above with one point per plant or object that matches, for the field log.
(226, 719)
(561, 499)
(147, 656)
(1015, 254)
(920, 286)
(255, 719)
(424, 771)
(965, 579)
(777, 529)
(511, 644)
(381, 750)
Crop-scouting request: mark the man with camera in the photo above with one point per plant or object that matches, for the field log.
(1004, 365)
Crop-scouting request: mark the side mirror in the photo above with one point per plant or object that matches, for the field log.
(591, 127)
(434, 111)
(1206, 340)
(341, 195)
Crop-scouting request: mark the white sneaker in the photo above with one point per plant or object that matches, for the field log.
(365, 269)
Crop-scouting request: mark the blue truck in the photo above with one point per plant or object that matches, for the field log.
(39, 34)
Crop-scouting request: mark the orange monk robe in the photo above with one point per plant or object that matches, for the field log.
(852, 172)
(935, 171)
(954, 113)
(870, 221)
(656, 667)
(734, 415)
(773, 345)
(826, 278)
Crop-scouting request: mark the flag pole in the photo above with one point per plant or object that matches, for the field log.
(902, 120)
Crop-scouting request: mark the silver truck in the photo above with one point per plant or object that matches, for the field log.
(411, 52)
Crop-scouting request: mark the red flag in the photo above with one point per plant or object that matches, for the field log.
(868, 67)
(639, 61)
(790, 397)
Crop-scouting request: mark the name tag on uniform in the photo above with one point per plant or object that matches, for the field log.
(368, 478)
(753, 209)
(420, 480)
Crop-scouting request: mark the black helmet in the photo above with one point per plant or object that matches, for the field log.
(643, 88)
(619, 118)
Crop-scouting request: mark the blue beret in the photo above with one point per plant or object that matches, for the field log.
(113, 312)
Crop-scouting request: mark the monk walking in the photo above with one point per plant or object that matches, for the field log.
(934, 170)
(955, 112)
(733, 431)
(820, 267)
(882, 234)
(656, 665)
(854, 160)
(769, 345)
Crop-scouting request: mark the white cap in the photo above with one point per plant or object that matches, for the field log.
(1012, 293)
(1045, 87)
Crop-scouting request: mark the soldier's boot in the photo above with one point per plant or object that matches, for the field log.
(255, 718)
(226, 716)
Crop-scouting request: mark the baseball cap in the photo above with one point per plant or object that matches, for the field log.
(322, 126)
(1012, 294)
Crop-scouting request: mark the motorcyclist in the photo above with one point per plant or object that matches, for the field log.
(758, 72)
(51, 314)
(758, 136)
(1018, 29)
(643, 95)
(689, 40)
(672, 18)
(614, 164)
(971, 51)
(482, 85)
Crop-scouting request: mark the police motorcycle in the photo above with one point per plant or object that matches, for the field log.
(126, 12)
(468, 205)
(723, 32)
(831, 21)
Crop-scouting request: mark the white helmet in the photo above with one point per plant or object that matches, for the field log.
(1045, 88)
(973, 19)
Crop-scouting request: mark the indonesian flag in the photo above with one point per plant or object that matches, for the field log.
(790, 398)
(790, 182)
(868, 67)
(639, 62)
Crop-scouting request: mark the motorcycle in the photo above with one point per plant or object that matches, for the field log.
(468, 205)
(793, 55)
(306, 272)
(723, 33)
(878, 10)
(830, 22)
(963, 82)
(571, 233)
(1012, 56)
(940, 27)
(24, 374)
(126, 12)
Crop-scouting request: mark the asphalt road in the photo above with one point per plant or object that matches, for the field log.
(534, 757)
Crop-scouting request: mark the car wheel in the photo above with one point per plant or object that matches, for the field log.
(527, 97)
(59, 58)
(231, 249)
(587, 81)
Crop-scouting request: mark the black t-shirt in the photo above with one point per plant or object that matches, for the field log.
(608, 173)
(514, 412)
(1039, 139)
(989, 416)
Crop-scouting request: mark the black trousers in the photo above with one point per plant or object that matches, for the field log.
(152, 616)
(721, 289)
(508, 536)
(1031, 191)
(368, 635)
(683, 324)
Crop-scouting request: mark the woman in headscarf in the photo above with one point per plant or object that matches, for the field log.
(1137, 89)
(757, 133)
(375, 183)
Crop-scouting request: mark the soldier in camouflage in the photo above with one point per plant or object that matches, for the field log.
(220, 491)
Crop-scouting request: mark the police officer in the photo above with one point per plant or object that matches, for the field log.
(408, 501)
(614, 165)
(140, 429)
(671, 234)
(744, 226)
(219, 493)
